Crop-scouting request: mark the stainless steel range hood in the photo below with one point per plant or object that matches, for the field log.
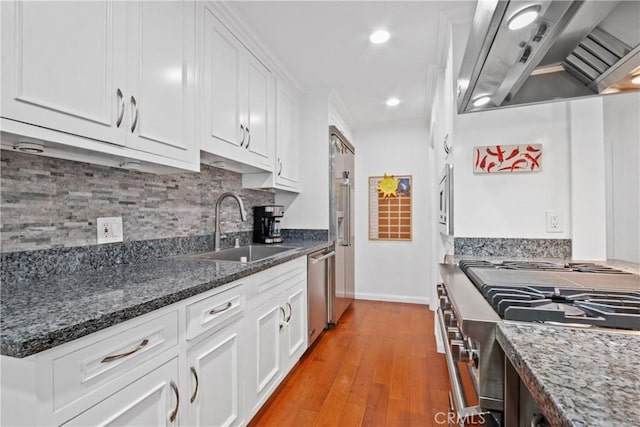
(570, 49)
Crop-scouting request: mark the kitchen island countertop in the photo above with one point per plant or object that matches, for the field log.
(42, 314)
(577, 377)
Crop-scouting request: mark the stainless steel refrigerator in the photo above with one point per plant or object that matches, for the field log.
(341, 202)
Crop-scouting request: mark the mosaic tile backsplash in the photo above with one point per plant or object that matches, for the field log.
(51, 203)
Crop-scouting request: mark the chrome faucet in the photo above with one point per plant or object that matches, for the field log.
(216, 232)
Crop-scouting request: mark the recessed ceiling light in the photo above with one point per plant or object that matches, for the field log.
(393, 102)
(635, 79)
(481, 100)
(379, 36)
(523, 17)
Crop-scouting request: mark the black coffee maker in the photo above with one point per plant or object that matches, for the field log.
(266, 224)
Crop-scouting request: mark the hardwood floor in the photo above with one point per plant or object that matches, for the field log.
(378, 367)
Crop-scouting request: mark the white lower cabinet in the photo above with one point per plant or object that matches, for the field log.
(211, 360)
(215, 388)
(296, 330)
(276, 330)
(152, 400)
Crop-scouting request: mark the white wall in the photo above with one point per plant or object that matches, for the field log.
(320, 109)
(390, 270)
(588, 221)
(622, 145)
(512, 205)
(310, 208)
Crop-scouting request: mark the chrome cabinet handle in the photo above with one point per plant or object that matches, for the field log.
(220, 310)
(135, 118)
(244, 134)
(290, 313)
(248, 137)
(195, 392)
(140, 346)
(280, 168)
(174, 414)
(121, 113)
(283, 323)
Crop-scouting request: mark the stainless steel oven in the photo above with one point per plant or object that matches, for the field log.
(477, 294)
(445, 201)
(474, 360)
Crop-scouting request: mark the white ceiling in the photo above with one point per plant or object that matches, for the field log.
(325, 44)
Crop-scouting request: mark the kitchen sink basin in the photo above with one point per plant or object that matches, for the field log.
(243, 254)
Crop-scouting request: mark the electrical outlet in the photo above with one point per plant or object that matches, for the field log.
(554, 222)
(109, 230)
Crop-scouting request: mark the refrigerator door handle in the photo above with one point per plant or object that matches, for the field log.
(347, 216)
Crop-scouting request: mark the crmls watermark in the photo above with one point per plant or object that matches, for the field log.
(447, 418)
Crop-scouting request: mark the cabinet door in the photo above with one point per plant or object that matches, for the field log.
(148, 401)
(257, 112)
(296, 332)
(221, 70)
(64, 66)
(287, 137)
(160, 96)
(215, 389)
(265, 325)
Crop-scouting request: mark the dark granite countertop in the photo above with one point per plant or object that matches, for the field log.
(577, 377)
(42, 314)
(628, 266)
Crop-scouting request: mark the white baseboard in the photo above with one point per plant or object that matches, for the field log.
(392, 298)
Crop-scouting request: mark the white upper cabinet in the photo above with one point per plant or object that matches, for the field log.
(63, 66)
(287, 137)
(285, 175)
(221, 83)
(160, 89)
(258, 110)
(107, 71)
(235, 93)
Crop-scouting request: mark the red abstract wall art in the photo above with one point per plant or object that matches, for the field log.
(507, 158)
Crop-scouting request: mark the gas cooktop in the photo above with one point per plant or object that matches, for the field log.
(580, 267)
(577, 294)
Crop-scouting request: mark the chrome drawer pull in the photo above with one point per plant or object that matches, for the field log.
(220, 310)
(142, 345)
(195, 392)
(174, 414)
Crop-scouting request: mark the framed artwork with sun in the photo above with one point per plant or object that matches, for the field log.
(390, 207)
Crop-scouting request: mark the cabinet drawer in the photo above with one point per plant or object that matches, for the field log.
(215, 311)
(276, 279)
(113, 354)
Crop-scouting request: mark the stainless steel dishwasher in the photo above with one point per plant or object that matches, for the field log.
(319, 273)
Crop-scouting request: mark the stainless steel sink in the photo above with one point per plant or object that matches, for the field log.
(243, 254)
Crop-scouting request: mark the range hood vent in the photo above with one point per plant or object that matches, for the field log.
(572, 49)
(596, 54)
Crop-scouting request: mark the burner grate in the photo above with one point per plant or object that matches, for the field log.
(549, 304)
